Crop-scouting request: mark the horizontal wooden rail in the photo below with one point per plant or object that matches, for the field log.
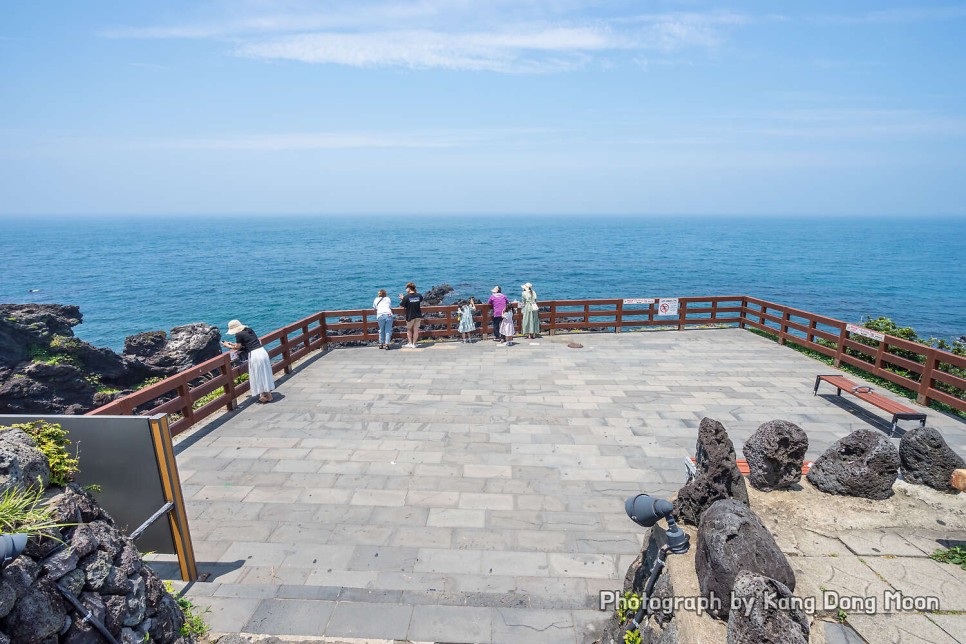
(926, 371)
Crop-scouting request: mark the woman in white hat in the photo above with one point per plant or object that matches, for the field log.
(250, 348)
(530, 326)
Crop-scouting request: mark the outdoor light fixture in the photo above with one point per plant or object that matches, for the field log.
(646, 511)
(11, 547)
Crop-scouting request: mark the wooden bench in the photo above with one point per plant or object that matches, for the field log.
(898, 410)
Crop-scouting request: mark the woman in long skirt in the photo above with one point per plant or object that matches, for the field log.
(530, 326)
(250, 348)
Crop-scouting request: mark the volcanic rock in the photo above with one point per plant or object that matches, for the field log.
(22, 465)
(775, 454)
(926, 459)
(718, 476)
(435, 295)
(767, 613)
(864, 464)
(732, 538)
(184, 347)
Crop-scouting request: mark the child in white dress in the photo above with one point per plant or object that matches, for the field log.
(507, 330)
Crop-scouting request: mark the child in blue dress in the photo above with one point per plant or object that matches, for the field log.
(465, 313)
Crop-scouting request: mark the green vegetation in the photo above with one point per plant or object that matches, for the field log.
(44, 356)
(632, 637)
(149, 382)
(887, 326)
(25, 511)
(64, 343)
(955, 555)
(194, 621)
(52, 440)
(841, 616)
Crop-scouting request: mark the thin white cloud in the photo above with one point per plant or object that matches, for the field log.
(507, 37)
(525, 51)
(430, 139)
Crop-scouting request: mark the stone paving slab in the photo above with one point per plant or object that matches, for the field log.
(475, 492)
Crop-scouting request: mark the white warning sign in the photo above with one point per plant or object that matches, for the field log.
(639, 300)
(668, 306)
(864, 332)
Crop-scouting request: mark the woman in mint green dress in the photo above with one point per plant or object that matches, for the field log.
(531, 312)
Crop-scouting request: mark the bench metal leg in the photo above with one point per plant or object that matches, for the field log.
(818, 379)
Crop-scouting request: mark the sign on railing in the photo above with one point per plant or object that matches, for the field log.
(864, 332)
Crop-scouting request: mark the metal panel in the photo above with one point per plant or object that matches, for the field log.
(118, 454)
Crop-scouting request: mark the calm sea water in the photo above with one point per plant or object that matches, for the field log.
(142, 273)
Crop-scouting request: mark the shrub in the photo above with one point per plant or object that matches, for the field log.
(52, 440)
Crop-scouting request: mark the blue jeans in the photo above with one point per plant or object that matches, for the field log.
(385, 328)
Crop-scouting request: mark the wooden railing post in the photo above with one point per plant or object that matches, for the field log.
(286, 354)
(586, 316)
(840, 347)
(925, 384)
(682, 314)
(229, 387)
(744, 313)
(783, 329)
(714, 311)
(325, 331)
(619, 321)
(187, 409)
(553, 318)
(306, 340)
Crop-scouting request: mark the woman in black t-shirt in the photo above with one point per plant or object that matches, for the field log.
(250, 348)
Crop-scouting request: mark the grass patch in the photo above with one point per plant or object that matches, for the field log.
(43, 355)
(194, 621)
(955, 555)
(24, 511)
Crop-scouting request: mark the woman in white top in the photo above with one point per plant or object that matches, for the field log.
(383, 306)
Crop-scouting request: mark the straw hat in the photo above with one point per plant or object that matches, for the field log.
(527, 287)
(496, 289)
(235, 327)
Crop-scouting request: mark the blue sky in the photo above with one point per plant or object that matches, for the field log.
(474, 106)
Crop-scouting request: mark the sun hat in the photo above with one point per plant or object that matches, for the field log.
(496, 289)
(527, 287)
(234, 327)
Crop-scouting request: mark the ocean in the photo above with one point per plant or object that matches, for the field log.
(133, 274)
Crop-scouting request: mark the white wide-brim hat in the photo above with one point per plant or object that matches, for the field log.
(234, 327)
(527, 287)
(495, 289)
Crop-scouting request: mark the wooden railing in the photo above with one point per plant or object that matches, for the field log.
(924, 365)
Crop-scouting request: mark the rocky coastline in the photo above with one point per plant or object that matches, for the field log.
(44, 368)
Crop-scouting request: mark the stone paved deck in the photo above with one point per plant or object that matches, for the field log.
(472, 492)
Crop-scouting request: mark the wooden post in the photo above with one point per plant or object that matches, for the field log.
(783, 329)
(325, 331)
(879, 352)
(586, 316)
(714, 311)
(682, 314)
(840, 348)
(619, 322)
(306, 341)
(229, 387)
(742, 314)
(925, 382)
(553, 318)
(286, 354)
(187, 408)
(812, 325)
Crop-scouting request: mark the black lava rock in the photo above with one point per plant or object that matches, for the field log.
(863, 464)
(926, 459)
(732, 538)
(718, 475)
(767, 614)
(775, 454)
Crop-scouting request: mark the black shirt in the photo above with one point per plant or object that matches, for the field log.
(248, 341)
(411, 303)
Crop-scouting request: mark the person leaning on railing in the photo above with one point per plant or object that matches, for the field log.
(250, 348)
(383, 307)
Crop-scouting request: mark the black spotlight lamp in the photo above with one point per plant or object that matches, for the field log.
(11, 547)
(646, 511)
